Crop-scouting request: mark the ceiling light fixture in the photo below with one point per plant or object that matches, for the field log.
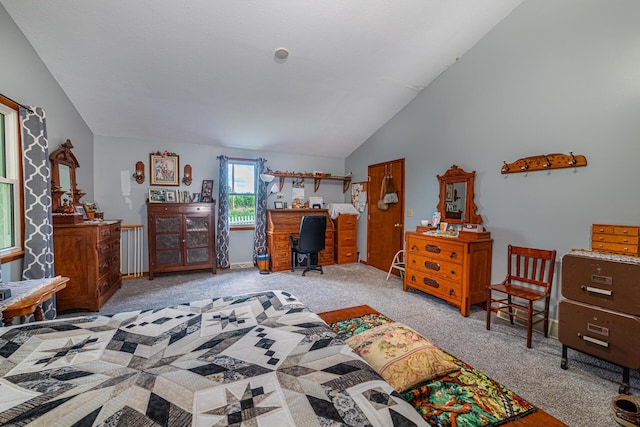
(281, 54)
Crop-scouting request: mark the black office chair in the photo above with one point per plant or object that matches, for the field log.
(308, 242)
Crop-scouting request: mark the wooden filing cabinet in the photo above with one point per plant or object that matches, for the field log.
(454, 269)
(181, 237)
(346, 238)
(89, 255)
(616, 239)
(281, 223)
(600, 315)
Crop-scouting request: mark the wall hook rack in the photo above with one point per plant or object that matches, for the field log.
(544, 162)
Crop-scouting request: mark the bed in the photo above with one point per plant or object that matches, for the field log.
(260, 359)
(254, 360)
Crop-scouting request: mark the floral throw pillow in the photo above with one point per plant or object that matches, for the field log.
(402, 356)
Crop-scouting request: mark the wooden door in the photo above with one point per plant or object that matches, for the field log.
(385, 228)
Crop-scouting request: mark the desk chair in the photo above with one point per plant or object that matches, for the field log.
(308, 242)
(529, 279)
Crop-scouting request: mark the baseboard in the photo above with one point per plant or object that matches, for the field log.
(553, 323)
(237, 265)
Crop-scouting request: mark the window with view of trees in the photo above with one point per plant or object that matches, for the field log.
(242, 196)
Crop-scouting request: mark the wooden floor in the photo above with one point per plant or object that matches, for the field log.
(537, 419)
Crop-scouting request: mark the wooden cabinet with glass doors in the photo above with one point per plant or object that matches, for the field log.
(181, 237)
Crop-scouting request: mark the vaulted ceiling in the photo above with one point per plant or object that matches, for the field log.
(205, 71)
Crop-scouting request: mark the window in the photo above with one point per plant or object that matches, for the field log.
(242, 193)
(10, 182)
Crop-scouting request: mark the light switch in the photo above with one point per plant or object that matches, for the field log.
(410, 213)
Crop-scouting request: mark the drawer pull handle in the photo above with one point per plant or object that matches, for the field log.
(431, 282)
(597, 290)
(451, 292)
(453, 255)
(594, 341)
(432, 266)
(432, 248)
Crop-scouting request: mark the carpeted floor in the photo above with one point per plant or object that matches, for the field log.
(579, 396)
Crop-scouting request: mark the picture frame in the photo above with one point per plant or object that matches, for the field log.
(164, 170)
(157, 195)
(278, 205)
(170, 196)
(81, 210)
(449, 192)
(206, 195)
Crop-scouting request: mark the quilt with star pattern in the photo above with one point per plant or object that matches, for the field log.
(261, 359)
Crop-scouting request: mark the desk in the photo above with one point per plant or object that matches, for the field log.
(27, 295)
(281, 223)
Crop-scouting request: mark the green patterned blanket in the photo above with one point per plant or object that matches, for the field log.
(465, 397)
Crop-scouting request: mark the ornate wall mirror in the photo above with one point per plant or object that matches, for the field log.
(456, 204)
(64, 189)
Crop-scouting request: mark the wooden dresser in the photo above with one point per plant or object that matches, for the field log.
(615, 239)
(181, 237)
(454, 269)
(600, 315)
(281, 223)
(89, 255)
(346, 238)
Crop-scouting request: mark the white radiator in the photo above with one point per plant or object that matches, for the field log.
(131, 244)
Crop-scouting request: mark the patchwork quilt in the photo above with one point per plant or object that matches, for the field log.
(253, 360)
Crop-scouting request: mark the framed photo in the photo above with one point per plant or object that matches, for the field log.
(278, 205)
(81, 210)
(157, 195)
(164, 169)
(449, 192)
(206, 195)
(170, 196)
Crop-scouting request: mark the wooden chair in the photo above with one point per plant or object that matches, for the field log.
(397, 263)
(529, 279)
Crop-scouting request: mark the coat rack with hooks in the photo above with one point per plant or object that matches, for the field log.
(544, 162)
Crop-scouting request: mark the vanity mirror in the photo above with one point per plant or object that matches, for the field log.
(456, 204)
(64, 189)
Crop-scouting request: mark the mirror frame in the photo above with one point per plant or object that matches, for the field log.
(451, 176)
(63, 156)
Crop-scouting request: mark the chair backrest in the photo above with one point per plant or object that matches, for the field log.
(312, 233)
(532, 267)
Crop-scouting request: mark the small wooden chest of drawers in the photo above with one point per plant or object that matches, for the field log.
(454, 269)
(345, 240)
(616, 239)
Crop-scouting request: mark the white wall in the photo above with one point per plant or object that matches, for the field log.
(119, 196)
(553, 77)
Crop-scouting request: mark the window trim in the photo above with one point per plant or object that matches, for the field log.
(17, 251)
(252, 163)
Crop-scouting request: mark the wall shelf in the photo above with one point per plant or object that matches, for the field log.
(346, 180)
(544, 162)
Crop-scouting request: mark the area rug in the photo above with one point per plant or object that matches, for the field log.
(465, 397)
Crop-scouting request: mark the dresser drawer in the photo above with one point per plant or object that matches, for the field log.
(618, 248)
(608, 284)
(437, 249)
(442, 288)
(436, 267)
(603, 333)
(346, 255)
(346, 222)
(601, 229)
(346, 237)
(615, 238)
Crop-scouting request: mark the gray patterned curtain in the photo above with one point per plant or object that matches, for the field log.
(222, 233)
(260, 233)
(38, 228)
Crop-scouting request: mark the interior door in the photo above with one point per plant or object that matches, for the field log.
(385, 228)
